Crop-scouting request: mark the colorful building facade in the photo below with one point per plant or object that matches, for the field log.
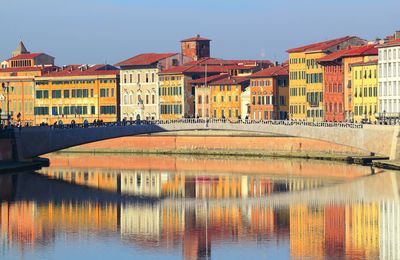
(177, 93)
(77, 93)
(389, 80)
(17, 84)
(139, 83)
(269, 94)
(203, 95)
(335, 67)
(306, 77)
(225, 94)
(365, 91)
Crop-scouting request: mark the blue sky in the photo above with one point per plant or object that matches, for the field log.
(95, 31)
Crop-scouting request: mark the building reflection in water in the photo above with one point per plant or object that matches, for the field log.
(210, 209)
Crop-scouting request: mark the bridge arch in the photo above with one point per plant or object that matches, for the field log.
(32, 142)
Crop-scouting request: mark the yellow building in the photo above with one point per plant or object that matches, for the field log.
(363, 231)
(225, 97)
(17, 83)
(78, 93)
(306, 77)
(365, 91)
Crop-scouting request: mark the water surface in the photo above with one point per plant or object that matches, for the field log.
(174, 207)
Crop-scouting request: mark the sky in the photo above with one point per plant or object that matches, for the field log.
(99, 31)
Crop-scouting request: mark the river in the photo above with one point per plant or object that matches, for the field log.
(110, 206)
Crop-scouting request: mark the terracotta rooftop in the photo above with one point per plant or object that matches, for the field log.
(365, 63)
(84, 70)
(196, 38)
(145, 59)
(195, 69)
(21, 69)
(282, 70)
(390, 43)
(26, 56)
(320, 46)
(230, 81)
(217, 61)
(209, 79)
(352, 51)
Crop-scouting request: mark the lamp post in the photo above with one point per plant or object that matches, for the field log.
(6, 89)
(384, 116)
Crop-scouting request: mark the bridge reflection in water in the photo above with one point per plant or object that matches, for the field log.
(198, 206)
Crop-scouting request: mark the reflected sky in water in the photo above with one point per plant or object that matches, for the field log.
(168, 207)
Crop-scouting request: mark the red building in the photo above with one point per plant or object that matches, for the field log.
(269, 93)
(336, 68)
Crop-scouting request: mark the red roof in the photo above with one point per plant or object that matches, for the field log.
(221, 62)
(365, 63)
(197, 38)
(282, 70)
(145, 59)
(390, 43)
(209, 79)
(26, 56)
(196, 69)
(352, 51)
(320, 46)
(230, 81)
(21, 69)
(75, 70)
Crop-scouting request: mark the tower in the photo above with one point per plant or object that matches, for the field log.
(196, 47)
(20, 50)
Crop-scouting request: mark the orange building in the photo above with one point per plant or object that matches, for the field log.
(269, 93)
(337, 96)
(78, 93)
(17, 84)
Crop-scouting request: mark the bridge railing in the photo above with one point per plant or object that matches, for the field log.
(206, 122)
(256, 122)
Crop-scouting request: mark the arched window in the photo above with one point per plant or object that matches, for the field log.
(125, 98)
(130, 98)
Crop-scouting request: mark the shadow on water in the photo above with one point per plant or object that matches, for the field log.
(199, 208)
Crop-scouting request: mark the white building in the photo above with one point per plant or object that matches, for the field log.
(389, 79)
(139, 83)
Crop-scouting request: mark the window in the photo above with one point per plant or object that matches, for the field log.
(107, 110)
(66, 93)
(56, 94)
(102, 92)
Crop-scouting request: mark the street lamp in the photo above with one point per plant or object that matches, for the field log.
(384, 116)
(6, 89)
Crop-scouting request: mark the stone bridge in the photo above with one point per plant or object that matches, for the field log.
(35, 141)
